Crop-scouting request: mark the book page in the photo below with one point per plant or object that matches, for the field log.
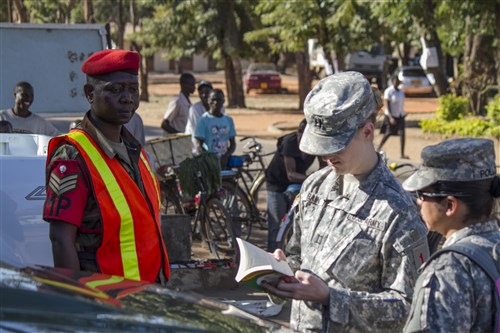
(254, 259)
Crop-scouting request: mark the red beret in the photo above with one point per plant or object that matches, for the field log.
(108, 61)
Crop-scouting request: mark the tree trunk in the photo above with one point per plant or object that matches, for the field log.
(340, 60)
(143, 73)
(406, 53)
(304, 76)
(441, 85)
(120, 26)
(230, 49)
(146, 63)
(88, 11)
(479, 67)
(497, 21)
(234, 83)
(21, 12)
(9, 11)
(133, 16)
(428, 30)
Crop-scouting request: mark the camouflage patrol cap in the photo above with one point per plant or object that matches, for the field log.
(334, 109)
(466, 159)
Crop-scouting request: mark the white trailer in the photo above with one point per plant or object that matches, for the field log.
(49, 56)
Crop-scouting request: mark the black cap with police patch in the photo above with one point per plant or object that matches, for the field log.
(457, 160)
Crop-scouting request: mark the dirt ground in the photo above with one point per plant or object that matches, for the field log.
(268, 115)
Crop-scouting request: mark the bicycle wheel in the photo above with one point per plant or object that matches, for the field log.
(218, 229)
(171, 202)
(236, 202)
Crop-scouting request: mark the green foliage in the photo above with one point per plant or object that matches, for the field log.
(493, 110)
(452, 119)
(495, 132)
(208, 165)
(340, 25)
(469, 126)
(451, 107)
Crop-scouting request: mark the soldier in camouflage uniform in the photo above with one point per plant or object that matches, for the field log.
(358, 238)
(456, 187)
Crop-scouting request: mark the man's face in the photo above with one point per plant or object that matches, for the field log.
(188, 85)
(114, 97)
(23, 97)
(349, 160)
(203, 92)
(216, 101)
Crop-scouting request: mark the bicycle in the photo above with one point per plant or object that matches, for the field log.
(255, 176)
(170, 193)
(242, 186)
(434, 239)
(212, 220)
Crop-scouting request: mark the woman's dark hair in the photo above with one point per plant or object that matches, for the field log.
(302, 125)
(479, 196)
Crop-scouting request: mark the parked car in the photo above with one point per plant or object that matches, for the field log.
(414, 81)
(36, 297)
(41, 299)
(263, 76)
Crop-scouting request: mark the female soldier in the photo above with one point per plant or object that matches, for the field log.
(456, 187)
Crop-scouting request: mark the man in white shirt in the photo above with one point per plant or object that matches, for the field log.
(21, 118)
(175, 119)
(394, 115)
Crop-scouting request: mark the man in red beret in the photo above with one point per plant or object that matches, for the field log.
(102, 197)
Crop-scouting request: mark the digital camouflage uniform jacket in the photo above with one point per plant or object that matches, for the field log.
(454, 294)
(366, 245)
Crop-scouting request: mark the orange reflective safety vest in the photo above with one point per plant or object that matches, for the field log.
(132, 244)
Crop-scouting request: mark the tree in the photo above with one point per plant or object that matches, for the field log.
(213, 28)
(20, 11)
(88, 11)
(480, 57)
(284, 29)
(338, 25)
(138, 12)
(422, 14)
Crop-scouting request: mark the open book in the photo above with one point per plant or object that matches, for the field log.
(257, 265)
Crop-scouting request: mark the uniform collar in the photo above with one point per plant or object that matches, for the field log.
(133, 146)
(355, 200)
(473, 229)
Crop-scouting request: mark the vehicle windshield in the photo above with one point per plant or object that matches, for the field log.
(263, 68)
(413, 72)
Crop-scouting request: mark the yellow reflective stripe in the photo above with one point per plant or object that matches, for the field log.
(94, 293)
(127, 237)
(97, 283)
(144, 159)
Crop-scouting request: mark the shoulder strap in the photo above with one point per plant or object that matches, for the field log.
(477, 254)
(489, 263)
